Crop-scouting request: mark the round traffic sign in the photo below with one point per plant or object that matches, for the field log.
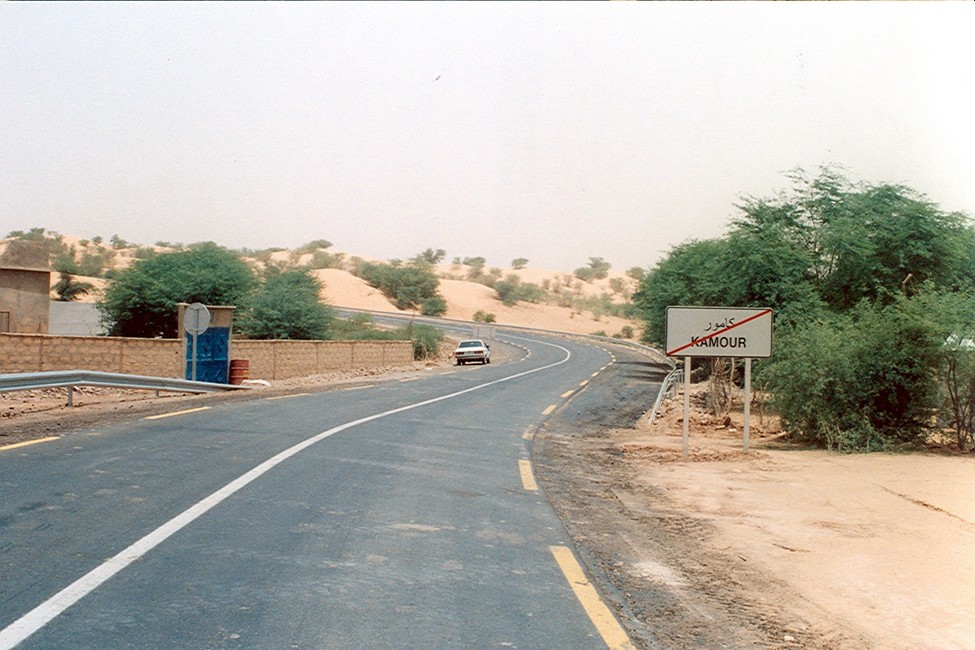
(196, 318)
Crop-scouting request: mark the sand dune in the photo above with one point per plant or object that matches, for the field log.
(464, 298)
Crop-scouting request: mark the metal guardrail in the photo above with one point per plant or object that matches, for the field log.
(71, 378)
(668, 390)
(459, 324)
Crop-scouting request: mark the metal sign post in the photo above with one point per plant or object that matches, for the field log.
(685, 438)
(196, 320)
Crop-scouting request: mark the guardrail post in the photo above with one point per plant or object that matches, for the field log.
(70, 395)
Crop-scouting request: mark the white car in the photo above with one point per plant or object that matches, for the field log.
(472, 350)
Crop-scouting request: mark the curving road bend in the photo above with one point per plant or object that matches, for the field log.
(400, 515)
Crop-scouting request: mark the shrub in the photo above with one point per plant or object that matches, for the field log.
(426, 341)
(321, 259)
(407, 286)
(434, 306)
(597, 270)
(288, 306)
(861, 381)
(512, 290)
(481, 316)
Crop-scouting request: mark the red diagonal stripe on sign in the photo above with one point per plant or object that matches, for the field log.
(719, 332)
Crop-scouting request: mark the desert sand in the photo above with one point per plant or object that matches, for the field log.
(879, 546)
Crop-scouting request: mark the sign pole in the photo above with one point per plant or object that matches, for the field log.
(193, 375)
(748, 400)
(196, 320)
(687, 404)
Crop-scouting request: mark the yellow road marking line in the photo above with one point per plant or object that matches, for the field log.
(17, 445)
(549, 410)
(403, 381)
(567, 393)
(609, 628)
(288, 396)
(360, 387)
(596, 374)
(527, 478)
(584, 383)
(529, 433)
(175, 413)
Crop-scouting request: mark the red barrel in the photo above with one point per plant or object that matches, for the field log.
(239, 371)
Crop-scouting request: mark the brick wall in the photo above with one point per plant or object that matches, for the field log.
(39, 353)
(269, 360)
(283, 359)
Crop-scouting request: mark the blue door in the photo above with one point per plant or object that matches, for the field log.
(212, 355)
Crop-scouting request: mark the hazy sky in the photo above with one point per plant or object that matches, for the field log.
(550, 131)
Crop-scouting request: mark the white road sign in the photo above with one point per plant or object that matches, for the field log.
(196, 318)
(719, 332)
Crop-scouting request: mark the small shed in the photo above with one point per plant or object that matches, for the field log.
(25, 286)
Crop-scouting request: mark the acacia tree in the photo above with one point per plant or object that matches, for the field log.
(142, 300)
(690, 274)
(863, 241)
(407, 285)
(430, 256)
(288, 306)
(849, 270)
(598, 269)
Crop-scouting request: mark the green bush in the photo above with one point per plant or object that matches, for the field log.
(321, 259)
(288, 306)
(481, 316)
(142, 300)
(512, 290)
(434, 306)
(857, 382)
(426, 341)
(406, 285)
(598, 269)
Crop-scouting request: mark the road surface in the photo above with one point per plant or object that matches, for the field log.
(399, 515)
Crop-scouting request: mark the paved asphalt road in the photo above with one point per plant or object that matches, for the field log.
(390, 516)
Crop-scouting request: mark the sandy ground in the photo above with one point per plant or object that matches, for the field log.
(881, 546)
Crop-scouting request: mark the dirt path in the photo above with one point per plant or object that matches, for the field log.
(776, 548)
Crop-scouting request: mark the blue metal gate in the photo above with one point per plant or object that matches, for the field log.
(212, 355)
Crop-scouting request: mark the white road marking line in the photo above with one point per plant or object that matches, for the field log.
(35, 619)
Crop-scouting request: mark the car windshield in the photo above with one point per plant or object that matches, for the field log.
(470, 344)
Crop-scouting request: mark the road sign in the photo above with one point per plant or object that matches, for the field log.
(719, 332)
(196, 319)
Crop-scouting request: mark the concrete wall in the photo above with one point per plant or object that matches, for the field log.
(75, 319)
(271, 360)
